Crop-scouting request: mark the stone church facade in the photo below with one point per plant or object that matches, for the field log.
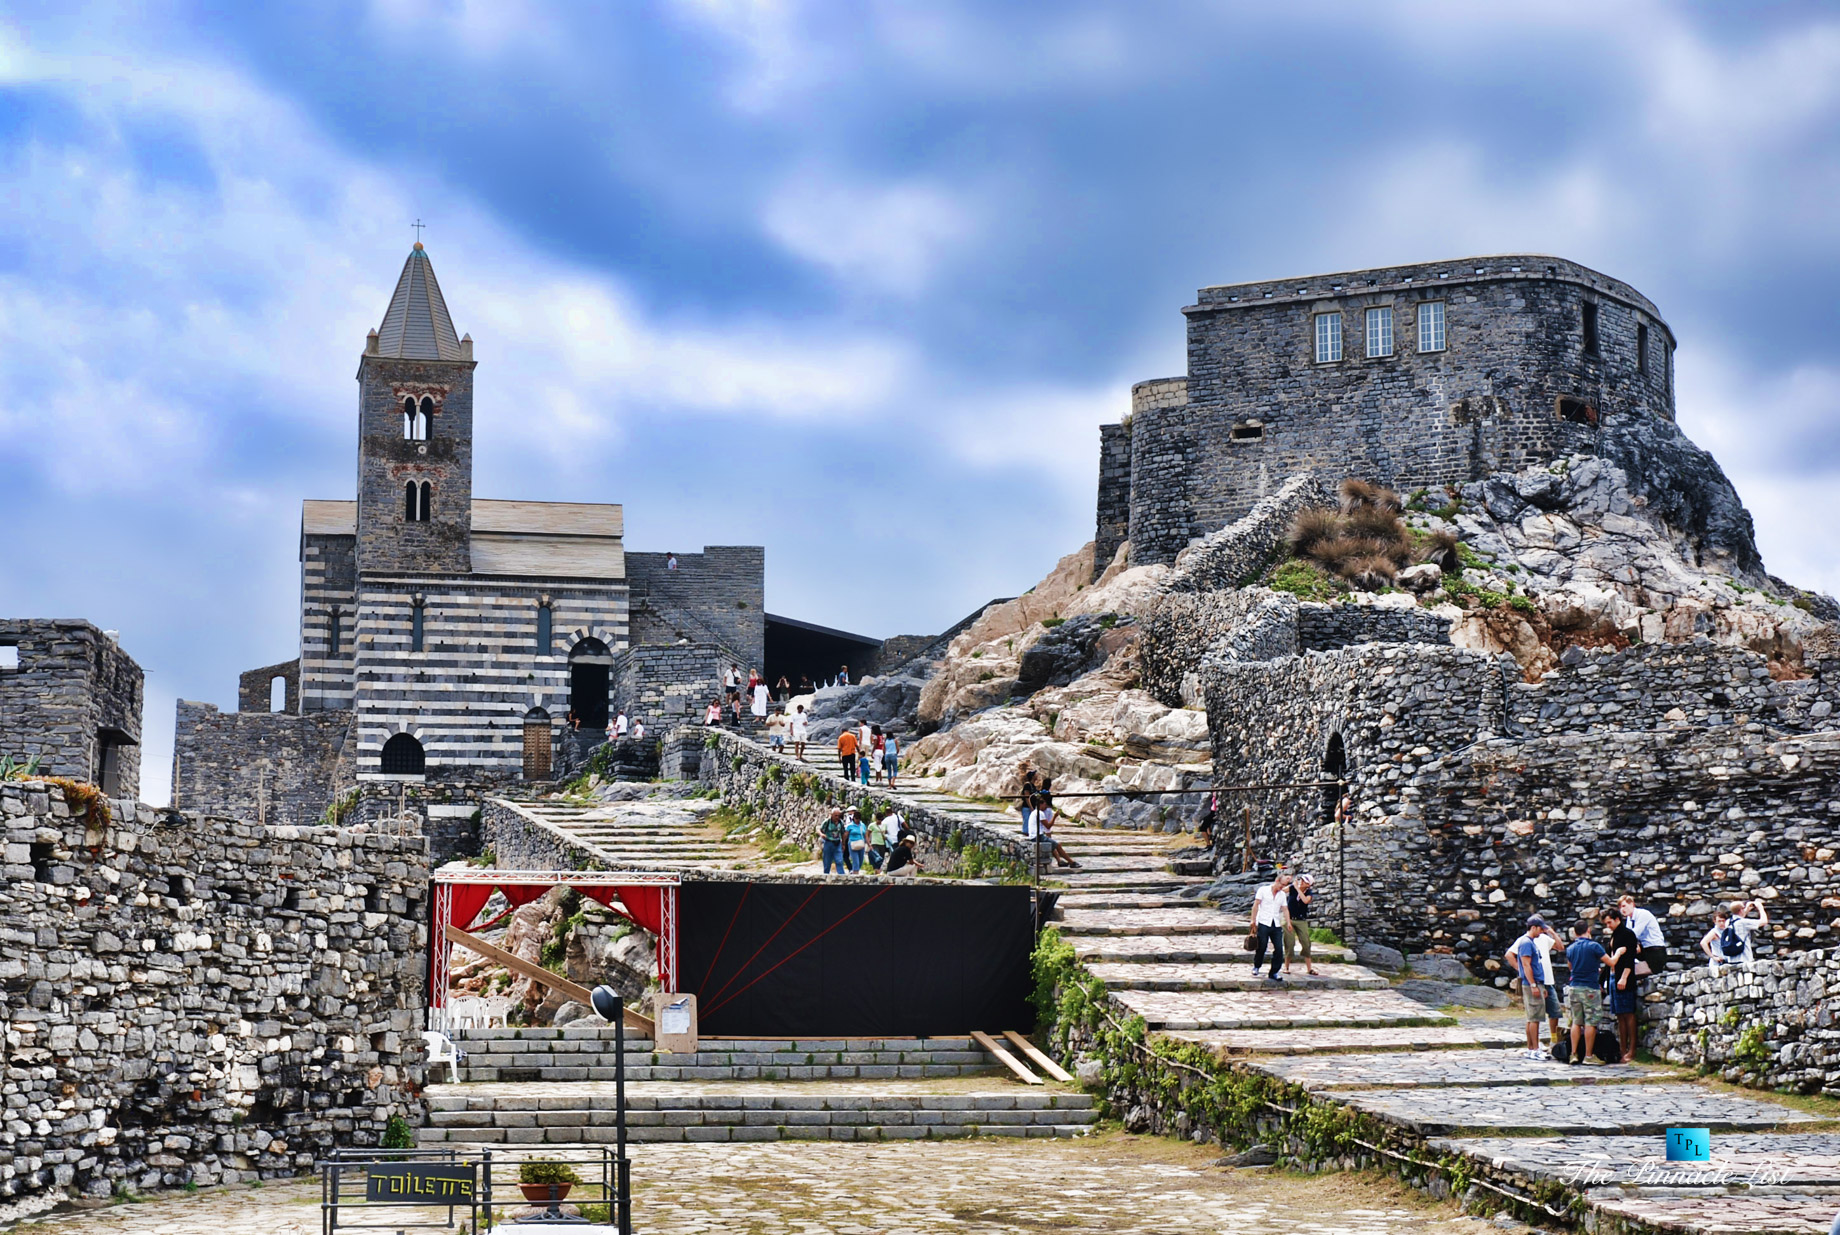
(447, 639)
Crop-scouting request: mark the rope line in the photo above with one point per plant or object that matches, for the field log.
(711, 971)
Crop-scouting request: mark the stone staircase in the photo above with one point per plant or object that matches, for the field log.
(584, 1052)
(646, 834)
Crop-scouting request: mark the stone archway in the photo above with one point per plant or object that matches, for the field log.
(590, 670)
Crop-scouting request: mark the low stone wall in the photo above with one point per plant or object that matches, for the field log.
(1239, 552)
(449, 812)
(1774, 1024)
(192, 1000)
(268, 766)
(518, 840)
(1321, 628)
(796, 797)
(666, 684)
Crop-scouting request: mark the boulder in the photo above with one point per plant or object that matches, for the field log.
(1438, 965)
(1441, 994)
(1379, 956)
(1424, 577)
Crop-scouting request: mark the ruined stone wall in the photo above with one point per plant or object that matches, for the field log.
(193, 1000)
(666, 684)
(255, 687)
(1788, 1005)
(1260, 407)
(1114, 514)
(74, 700)
(716, 596)
(1322, 628)
(267, 766)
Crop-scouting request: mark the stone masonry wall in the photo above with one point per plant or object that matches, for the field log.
(1700, 1019)
(666, 684)
(387, 542)
(748, 774)
(255, 687)
(267, 766)
(194, 1000)
(716, 596)
(1114, 514)
(74, 695)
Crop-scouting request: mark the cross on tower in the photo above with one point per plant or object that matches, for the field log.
(418, 225)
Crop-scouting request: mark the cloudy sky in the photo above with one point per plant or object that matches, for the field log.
(857, 281)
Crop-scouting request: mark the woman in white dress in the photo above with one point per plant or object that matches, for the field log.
(760, 698)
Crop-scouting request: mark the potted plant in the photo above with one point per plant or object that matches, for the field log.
(545, 1182)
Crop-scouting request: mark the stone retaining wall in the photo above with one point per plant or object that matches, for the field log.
(1772, 1024)
(192, 1000)
(518, 840)
(270, 766)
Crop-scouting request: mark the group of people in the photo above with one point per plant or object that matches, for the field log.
(1281, 913)
(1036, 805)
(867, 754)
(846, 842)
(618, 730)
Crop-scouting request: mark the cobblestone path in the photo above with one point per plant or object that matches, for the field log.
(1466, 1088)
(1114, 1184)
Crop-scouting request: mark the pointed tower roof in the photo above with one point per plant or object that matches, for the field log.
(417, 326)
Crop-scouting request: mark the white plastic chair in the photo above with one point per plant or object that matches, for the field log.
(441, 1050)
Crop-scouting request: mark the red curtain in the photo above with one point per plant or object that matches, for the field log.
(470, 898)
(644, 904)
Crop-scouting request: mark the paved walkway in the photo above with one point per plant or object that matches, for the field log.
(1115, 1184)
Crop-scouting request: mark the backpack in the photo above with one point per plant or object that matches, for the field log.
(1732, 943)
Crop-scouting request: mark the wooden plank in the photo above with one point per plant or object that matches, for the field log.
(1005, 1058)
(536, 973)
(1038, 1058)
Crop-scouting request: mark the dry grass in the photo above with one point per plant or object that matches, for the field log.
(1365, 541)
(1311, 527)
(1441, 547)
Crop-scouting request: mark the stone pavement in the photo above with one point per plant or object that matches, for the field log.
(1116, 1184)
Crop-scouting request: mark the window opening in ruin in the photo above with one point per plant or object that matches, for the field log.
(589, 665)
(1431, 326)
(537, 743)
(416, 625)
(546, 643)
(415, 420)
(235, 894)
(1380, 331)
(373, 899)
(42, 856)
(290, 900)
(108, 757)
(403, 756)
(1328, 337)
(1590, 329)
(1251, 431)
(1577, 411)
(1335, 767)
(427, 417)
(418, 501)
(1642, 350)
(9, 656)
(333, 633)
(277, 694)
(179, 888)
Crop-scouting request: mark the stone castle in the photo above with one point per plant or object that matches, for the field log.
(446, 639)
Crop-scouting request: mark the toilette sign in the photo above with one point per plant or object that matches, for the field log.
(433, 1183)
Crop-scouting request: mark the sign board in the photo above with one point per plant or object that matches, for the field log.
(431, 1183)
(675, 1021)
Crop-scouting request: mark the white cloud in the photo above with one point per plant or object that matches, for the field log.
(889, 237)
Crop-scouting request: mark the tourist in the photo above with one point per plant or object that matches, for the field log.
(891, 758)
(1204, 831)
(776, 733)
(1297, 925)
(878, 848)
(875, 750)
(1648, 933)
(731, 681)
(865, 759)
(670, 561)
(892, 827)
(1044, 827)
(1624, 948)
(783, 689)
(759, 694)
(856, 840)
(801, 732)
(805, 686)
(846, 751)
(1524, 960)
(620, 724)
(1270, 914)
(1584, 999)
(901, 863)
(1729, 940)
(830, 841)
(638, 731)
(712, 715)
(1025, 803)
(843, 676)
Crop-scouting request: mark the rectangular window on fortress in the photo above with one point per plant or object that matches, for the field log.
(1328, 337)
(9, 656)
(1590, 329)
(1642, 350)
(1431, 326)
(1380, 331)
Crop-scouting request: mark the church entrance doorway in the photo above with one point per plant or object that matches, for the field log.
(590, 664)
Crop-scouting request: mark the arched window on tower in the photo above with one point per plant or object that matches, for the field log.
(427, 417)
(427, 503)
(334, 635)
(417, 608)
(418, 501)
(546, 643)
(415, 419)
(403, 756)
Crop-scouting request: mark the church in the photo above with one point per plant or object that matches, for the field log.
(448, 639)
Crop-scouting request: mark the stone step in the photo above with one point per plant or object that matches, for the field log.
(578, 1059)
(1125, 881)
(1274, 1008)
(1124, 900)
(1186, 920)
(1185, 948)
(1634, 1109)
(1330, 1041)
(1444, 1069)
(530, 1069)
(1152, 976)
(593, 1036)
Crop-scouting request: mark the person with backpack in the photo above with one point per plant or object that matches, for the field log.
(1297, 927)
(830, 841)
(855, 840)
(1025, 805)
(1625, 949)
(1584, 999)
(1729, 940)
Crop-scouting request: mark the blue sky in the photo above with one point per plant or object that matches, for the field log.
(857, 281)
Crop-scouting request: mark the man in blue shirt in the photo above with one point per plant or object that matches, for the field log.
(1584, 1000)
(1523, 957)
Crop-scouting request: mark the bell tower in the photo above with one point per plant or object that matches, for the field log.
(415, 434)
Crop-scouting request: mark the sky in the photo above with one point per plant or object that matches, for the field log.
(855, 281)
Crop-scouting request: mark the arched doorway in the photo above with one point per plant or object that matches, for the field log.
(403, 756)
(590, 664)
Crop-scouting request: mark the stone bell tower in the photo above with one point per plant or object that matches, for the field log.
(415, 434)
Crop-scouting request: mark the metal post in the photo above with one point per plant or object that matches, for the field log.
(619, 1112)
(1248, 863)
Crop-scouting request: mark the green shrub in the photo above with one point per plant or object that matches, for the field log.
(397, 1134)
(1522, 604)
(1752, 1050)
(1052, 622)
(1304, 580)
(547, 1171)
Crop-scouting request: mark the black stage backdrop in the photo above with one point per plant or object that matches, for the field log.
(802, 960)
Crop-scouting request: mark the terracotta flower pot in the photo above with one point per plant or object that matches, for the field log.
(544, 1194)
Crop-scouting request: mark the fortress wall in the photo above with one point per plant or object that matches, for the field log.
(1791, 998)
(193, 1000)
(722, 591)
(1486, 402)
(268, 766)
(667, 684)
(1114, 517)
(73, 692)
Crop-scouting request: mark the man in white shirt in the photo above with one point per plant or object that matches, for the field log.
(1541, 937)
(801, 731)
(1648, 934)
(620, 725)
(1271, 911)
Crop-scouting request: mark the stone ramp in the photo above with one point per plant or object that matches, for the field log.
(1436, 1068)
(1280, 1008)
(1622, 1110)
(646, 834)
(558, 1114)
